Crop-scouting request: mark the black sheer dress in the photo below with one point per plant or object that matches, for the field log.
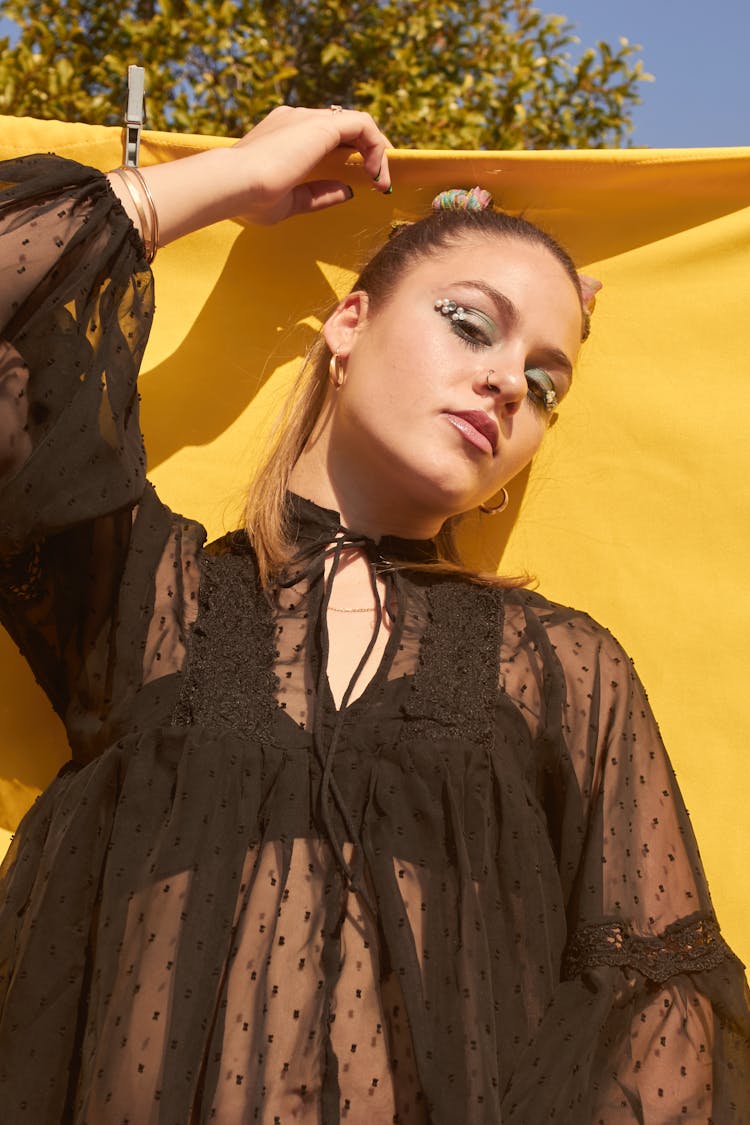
(470, 895)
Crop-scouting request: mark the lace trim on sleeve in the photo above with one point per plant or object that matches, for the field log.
(684, 947)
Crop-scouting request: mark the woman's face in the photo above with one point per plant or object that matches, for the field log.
(438, 414)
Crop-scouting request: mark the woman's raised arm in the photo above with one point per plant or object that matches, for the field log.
(76, 304)
(264, 177)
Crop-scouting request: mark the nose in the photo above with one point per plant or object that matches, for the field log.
(506, 383)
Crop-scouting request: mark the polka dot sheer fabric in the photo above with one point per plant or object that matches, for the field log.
(470, 895)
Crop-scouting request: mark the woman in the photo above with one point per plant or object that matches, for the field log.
(347, 832)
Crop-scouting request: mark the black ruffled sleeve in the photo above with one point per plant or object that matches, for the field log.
(651, 1023)
(76, 303)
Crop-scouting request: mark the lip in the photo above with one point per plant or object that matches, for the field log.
(476, 426)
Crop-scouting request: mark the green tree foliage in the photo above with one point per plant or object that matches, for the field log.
(472, 74)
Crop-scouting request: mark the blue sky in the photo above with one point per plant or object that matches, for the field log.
(698, 54)
(697, 51)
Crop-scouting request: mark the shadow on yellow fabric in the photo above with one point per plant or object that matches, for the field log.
(635, 510)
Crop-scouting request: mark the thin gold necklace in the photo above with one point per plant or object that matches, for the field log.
(359, 609)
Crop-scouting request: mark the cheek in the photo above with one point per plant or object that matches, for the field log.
(536, 433)
(402, 368)
(526, 440)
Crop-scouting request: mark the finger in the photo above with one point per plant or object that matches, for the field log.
(361, 132)
(375, 164)
(383, 180)
(320, 194)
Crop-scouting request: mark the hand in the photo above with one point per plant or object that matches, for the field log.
(280, 153)
(263, 177)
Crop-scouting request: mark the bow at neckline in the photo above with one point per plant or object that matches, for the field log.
(319, 535)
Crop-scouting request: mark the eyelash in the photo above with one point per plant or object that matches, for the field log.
(462, 330)
(542, 391)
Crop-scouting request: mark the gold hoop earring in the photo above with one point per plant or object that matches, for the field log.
(495, 509)
(336, 372)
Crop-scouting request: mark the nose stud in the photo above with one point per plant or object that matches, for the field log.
(491, 386)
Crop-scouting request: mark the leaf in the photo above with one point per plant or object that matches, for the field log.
(332, 53)
(468, 74)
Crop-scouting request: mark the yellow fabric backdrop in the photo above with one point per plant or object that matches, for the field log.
(637, 507)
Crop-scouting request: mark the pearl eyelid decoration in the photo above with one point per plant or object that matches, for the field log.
(449, 308)
(546, 395)
(550, 400)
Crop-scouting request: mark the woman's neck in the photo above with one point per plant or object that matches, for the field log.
(362, 505)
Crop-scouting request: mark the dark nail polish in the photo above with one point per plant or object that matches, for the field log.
(389, 191)
(376, 179)
(350, 189)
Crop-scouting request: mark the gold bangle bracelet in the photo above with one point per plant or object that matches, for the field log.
(143, 200)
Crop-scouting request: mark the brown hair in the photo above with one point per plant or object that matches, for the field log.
(266, 512)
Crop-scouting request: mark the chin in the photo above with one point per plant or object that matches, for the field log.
(434, 481)
(441, 498)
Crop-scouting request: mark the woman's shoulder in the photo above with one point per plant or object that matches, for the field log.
(546, 610)
(232, 543)
(230, 562)
(570, 632)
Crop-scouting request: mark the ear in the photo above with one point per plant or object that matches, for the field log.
(342, 326)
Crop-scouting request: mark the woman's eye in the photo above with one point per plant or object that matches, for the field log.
(541, 389)
(470, 325)
(475, 335)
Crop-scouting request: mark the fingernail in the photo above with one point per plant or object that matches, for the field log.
(389, 191)
(350, 189)
(376, 179)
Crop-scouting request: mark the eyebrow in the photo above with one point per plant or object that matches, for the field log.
(511, 315)
(504, 305)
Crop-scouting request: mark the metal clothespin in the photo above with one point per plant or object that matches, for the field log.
(134, 114)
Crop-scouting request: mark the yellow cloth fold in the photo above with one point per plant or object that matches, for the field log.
(637, 508)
